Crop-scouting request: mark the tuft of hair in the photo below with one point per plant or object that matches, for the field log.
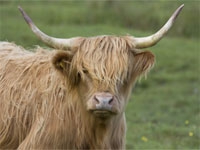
(29, 87)
(104, 58)
(144, 62)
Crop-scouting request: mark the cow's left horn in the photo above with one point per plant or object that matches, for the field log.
(50, 41)
(144, 42)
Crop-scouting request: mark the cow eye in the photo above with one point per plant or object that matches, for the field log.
(82, 75)
(85, 71)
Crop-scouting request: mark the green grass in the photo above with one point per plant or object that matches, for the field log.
(159, 105)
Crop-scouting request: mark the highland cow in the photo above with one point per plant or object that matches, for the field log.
(72, 97)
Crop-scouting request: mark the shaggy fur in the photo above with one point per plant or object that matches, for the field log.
(43, 94)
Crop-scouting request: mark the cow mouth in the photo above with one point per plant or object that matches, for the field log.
(102, 113)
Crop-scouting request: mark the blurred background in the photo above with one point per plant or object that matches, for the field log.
(164, 109)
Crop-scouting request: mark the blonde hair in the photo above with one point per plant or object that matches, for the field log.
(105, 58)
(36, 101)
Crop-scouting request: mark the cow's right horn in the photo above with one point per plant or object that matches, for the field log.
(144, 42)
(50, 41)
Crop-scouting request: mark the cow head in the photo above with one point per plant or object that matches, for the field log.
(104, 68)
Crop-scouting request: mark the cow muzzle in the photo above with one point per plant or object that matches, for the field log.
(103, 104)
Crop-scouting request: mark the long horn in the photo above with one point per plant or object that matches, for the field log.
(144, 42)
(50, 41)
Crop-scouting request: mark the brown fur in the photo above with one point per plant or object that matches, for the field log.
(43, 94)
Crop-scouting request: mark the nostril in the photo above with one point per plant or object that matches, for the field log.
(110, 101)
(96, 99)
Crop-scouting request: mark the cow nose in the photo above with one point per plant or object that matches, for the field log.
(104, 99)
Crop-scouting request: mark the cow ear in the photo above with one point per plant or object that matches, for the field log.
(62, 60)
(144, 61)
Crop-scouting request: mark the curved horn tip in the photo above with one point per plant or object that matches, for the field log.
(182, 6)
(179, 9)
(151, 40)
(50, 41)
(26, 17)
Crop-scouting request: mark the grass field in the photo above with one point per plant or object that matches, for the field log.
(164, 109)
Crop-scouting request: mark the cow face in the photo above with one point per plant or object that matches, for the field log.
(103, 71)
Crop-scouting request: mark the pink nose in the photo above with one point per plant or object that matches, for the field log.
(103, 99)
